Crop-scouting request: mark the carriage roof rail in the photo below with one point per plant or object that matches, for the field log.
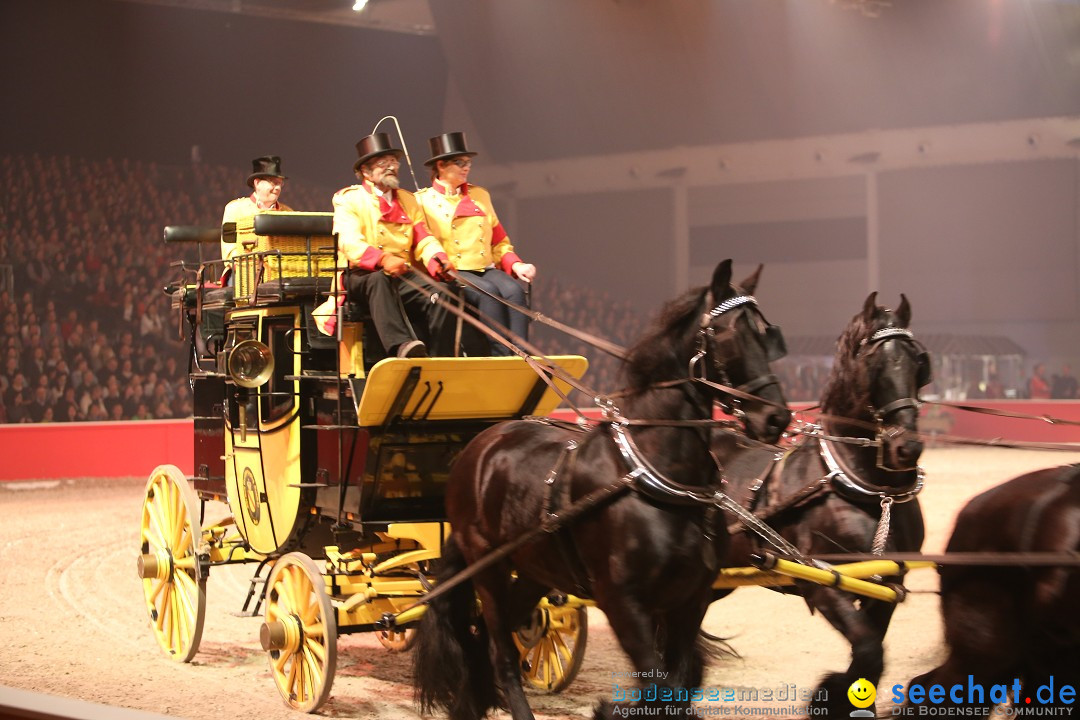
(192, 234)
(294, 224)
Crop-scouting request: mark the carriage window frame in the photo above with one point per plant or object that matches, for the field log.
(277, 397)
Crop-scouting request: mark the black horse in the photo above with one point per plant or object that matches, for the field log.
(648, 556)
(1012, 623)
(827, 496)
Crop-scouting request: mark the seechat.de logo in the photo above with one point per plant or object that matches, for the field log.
(861, 694)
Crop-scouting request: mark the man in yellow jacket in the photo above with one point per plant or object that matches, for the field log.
(382, 236)
(266, 183)
(463, 218)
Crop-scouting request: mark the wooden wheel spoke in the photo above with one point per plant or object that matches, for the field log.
(178, 516)
(163, 611)
(562, 650)
(553, 662)
(288, 589)
(310, 614)
(159, 585)
(315, 648)
(312, 675)
(291, 680)
(170, 532)
(316, 630)
(279, 662)
(297, 594)
(151, 537)
(157, 524)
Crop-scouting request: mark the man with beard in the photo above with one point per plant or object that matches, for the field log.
(381, 236)
(266, 182)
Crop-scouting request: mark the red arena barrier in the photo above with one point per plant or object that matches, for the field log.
(95, 449)
(47, 451)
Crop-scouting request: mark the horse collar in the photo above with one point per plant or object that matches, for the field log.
(848, 483)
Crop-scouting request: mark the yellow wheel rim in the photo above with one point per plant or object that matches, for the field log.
(173, 584)
(296, 600)
(552, 646)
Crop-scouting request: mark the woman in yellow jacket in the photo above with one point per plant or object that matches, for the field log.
(463, 218)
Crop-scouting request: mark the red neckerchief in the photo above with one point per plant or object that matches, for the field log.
(465, 207)
(390, 210)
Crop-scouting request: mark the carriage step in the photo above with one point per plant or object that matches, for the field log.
(307, 485)
(258, 582)
(329, 427)
(319, 376)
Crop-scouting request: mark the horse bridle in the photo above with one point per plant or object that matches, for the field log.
(923, 376)
(923, 372)
(773, 342)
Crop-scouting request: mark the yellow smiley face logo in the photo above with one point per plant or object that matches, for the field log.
(862, 693)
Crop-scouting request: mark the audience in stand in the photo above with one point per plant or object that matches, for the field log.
(87, 334)
(85, 331)
(103, 343)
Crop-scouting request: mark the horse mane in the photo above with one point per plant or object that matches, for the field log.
(842, 389)
(656, 354)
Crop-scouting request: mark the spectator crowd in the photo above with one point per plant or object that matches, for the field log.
(88, 333)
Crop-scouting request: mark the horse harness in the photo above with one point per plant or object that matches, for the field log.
(840, 478)
(642, 477)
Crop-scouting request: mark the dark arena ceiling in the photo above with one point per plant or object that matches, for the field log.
(563, 78)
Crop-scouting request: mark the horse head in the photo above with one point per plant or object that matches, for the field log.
(716, 338)
(735, 345)
(879, 370)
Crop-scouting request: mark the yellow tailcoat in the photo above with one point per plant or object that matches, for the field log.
(468, 228)
(239, 208)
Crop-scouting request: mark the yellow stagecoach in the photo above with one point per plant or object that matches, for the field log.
(332, 464)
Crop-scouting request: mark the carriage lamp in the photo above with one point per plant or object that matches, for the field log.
(250, 364)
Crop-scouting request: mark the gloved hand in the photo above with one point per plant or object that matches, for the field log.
(439, 267)
(393, 265)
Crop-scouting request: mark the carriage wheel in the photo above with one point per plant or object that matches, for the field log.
(173, 578)
(300, 632)
(397, 639)
(552, 645)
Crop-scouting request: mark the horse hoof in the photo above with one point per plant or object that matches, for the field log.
(603, 710)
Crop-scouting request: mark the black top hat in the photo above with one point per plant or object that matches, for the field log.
(265, 166)
(372, 146)
(447, 145)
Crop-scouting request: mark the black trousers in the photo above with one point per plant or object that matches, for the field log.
(502, 285)
(385, 297)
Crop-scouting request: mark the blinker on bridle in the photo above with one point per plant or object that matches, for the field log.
(773, 342)
(923, 376)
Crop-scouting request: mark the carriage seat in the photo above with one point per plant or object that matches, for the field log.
(194, 291)
(288, 257)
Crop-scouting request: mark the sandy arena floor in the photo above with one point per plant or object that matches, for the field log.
(72, 621)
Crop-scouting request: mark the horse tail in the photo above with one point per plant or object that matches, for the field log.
(451, 665)
(714, 647)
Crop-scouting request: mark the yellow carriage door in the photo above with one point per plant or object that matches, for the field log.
(263, 439)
